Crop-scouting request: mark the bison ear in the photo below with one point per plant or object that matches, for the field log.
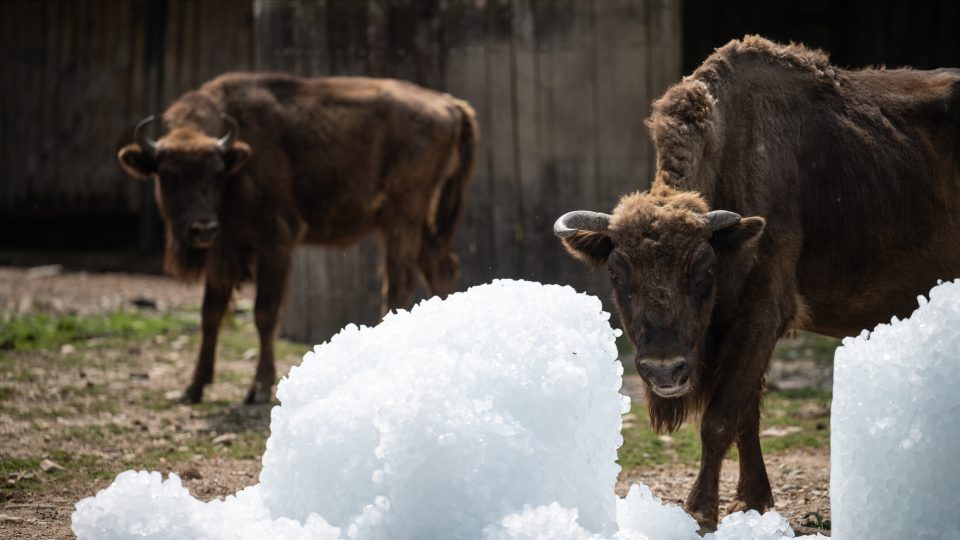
(235, 156)
(136, 162)
(589, 247)
(743, 234)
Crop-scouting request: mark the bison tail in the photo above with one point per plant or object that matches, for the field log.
(450, 204)
(439, 263)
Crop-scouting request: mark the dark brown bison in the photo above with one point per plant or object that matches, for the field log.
(851, 184)
(253, 164)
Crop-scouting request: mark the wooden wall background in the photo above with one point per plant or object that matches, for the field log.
(561, 89)
(77, 75)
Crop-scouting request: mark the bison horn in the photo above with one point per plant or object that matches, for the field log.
(721, 219)
(140, 136)
(580, 220)
(227, 140)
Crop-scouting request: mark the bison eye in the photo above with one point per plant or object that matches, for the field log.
(614, 277)
(711, 270)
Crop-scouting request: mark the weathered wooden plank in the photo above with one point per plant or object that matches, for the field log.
(464, 75)
(500, 132)
(623, 60)
(666, 40)
(565, 126)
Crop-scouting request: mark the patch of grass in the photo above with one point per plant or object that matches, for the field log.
(45, 331)
(643, 447)
(156, 400)
(12, 467)
(233, 376)
(84, 466)
(248, 445)
(84, 434)
(807, 345)
(815, 520)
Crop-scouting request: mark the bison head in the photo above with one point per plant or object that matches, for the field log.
(671, 262)
(190, 168)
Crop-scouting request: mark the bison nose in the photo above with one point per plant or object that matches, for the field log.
(664, 372)
(203, 233)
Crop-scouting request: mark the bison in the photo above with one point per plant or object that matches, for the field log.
(253, 164)
(849, 184)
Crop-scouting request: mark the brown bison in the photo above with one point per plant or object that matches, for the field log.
(851, 181)
(253, 164)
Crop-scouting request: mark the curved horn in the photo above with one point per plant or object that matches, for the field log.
(580, 220)
(721, 219)
(140, 136)
(232, 130)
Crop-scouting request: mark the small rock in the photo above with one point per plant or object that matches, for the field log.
(666, 439)
(67, 349)
(144, 302)
(226, 439)
(40, 272)
(191, 473)
(180, 342)
(249, 355)
(139, 375)
(779, 431)
(813, 411)
(48, 465)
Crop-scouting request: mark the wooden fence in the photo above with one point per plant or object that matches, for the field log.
(561, 89)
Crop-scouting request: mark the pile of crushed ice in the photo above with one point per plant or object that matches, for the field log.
(895, 426)
(493, 414)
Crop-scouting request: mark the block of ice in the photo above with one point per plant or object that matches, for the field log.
(642, 512)
(453, 415)
(493, 414)
(895, 426)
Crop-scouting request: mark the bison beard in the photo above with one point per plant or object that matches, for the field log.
(849, 179)
(324, 161)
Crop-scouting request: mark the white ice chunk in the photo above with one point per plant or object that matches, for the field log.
(895, 426)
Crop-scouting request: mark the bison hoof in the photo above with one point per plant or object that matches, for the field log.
(707, 525)
(190, 396)
(257, 395)
(761, 505)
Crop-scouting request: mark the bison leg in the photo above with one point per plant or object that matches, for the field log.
(439, 265)
(717, 431)
(215, 300)
(272, 273)
(398, 270)
(733, 412)
(753, 488)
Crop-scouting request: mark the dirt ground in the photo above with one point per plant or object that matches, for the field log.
(73, 416)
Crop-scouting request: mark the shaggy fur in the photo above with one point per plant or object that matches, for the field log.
(849, 182)
(323, 161)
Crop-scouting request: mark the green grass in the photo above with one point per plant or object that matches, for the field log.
(642, 447)
(11, 467)
(807, 345)
(815, 520)
(45, 331)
